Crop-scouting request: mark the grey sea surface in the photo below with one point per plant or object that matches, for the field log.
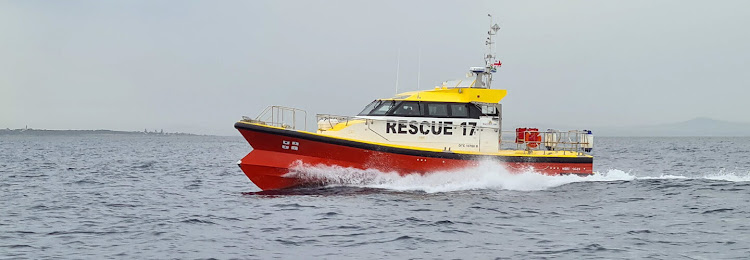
(183, 197)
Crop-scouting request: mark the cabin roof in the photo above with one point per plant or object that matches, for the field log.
(458, 95)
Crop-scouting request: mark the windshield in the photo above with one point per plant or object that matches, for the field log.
(383, 108)
(369, 108)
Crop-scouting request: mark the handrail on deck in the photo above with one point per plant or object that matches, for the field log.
(577, 141)
(279, 116)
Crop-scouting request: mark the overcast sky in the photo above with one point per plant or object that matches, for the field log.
(198, 66)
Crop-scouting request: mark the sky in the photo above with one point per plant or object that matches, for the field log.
(198, 66)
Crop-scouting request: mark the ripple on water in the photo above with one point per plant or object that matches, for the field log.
(716, 211)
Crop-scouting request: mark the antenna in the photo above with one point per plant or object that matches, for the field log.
(484, 74)
(398, 67)
(419, 67)
(490, 42)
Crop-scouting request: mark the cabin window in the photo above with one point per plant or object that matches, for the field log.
(369, 108)
(383, 108)
(427, 109)
(408, 108)
(489, 110)
(437, 109)
(459, 110)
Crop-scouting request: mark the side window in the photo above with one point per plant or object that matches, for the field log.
(489, 110)
(459, 110)
(382, 109)
(437, 109)
(408, 109)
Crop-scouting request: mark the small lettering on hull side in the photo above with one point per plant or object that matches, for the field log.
(286, 145)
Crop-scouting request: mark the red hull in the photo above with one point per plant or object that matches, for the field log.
(275, 150)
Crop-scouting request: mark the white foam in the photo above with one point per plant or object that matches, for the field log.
(720, 176)
(487, 175)
(730, 176)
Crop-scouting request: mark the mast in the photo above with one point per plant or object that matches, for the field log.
(484, 74)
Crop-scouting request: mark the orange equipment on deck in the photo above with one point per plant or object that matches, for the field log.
(530, 136)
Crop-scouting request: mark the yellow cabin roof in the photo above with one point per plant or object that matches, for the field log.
(459, 95)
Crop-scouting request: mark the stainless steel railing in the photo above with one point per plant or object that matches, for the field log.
(575, 141)
(279, 116)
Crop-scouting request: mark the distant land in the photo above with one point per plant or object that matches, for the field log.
(38, 132)
(701, 126)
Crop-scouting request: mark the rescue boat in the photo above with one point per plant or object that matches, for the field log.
(452, 126)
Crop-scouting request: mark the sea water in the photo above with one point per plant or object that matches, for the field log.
(183, 197)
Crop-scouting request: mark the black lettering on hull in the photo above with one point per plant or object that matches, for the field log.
(413, 129)
(447, 127)
(402, 126)
(424, 128)
(428, 127)
(390, 127)
(439, 129)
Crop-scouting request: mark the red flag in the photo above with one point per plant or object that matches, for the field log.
(498, 64)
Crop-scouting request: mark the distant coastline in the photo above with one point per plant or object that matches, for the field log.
(39, 132)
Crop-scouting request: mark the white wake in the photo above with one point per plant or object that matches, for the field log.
(487, 175)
